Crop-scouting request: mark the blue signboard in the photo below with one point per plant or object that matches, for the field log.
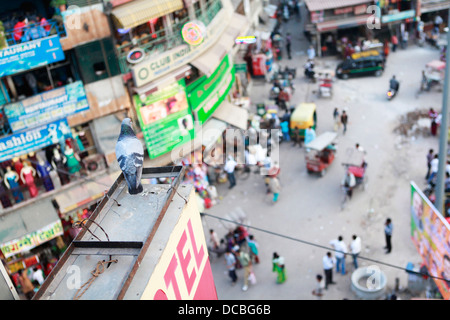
(29, 55)
(21, 143)
(46, 107)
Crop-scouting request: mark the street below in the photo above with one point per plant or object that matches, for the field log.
(307, 215)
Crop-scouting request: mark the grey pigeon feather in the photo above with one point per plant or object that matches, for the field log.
(130, 156)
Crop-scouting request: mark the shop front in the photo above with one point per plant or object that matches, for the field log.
(31, 239)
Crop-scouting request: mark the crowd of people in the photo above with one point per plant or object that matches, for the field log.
(27, 29)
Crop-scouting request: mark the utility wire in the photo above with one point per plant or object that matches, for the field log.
(321, 246)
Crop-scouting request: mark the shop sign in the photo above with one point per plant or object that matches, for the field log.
(32, 240)
(193, 32)
(21, 143)
(343, 10)
(207, 96)
(430, 233)
(46, 107)
(398, 16)
(317, 16)
(136, 55)
(240, 67)
(157, 65)
(165, 119)
(29, 55)
(360, 9)
(183, 271)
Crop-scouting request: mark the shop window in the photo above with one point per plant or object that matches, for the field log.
(97, 60)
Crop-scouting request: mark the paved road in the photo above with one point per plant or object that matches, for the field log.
(308, 208)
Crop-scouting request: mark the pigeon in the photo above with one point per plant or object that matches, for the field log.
(130, 156)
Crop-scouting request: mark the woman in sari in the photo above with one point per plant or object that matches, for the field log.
(278, 266)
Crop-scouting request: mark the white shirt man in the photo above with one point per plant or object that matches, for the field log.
(355, 249)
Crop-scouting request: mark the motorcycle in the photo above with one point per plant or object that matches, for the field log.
(391, 94)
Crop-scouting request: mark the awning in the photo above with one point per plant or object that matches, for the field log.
(85, 194)
(208, 62)
(433, 6)
(234, 115)
(164, 81)
(315, 5)
(342, 23)
(27, 219)
(211, 131)
(138, 12)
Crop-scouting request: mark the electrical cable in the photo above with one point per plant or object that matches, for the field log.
(322, 246)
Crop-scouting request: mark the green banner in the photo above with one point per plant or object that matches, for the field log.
(165, 118)
(208, 94)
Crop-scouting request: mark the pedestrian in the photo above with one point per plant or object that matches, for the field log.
(405, 37)
(279, 268)
(288, 45)
(253, 245)
(285, 130)
(394, 41)
(296, 137)
(320, 285)
(26, 285)
(337, 121)
(311, 53)
(275, 188)
(355, 249)
(430, 157)
(344, 120)
(363, 154)
(19, 29)
(328, 264)
(434, 123)
(229, 167)
(434, 167)
(246, 263)
(386, 49)
(341, 250)
(230, 261)
(310, 135)
(38, 276)
(388, 233)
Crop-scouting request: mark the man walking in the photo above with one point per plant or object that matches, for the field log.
(341, 250)
(434, 167)
(430, 157)
(344, 120)
(355, 249)
(229, 167)
(231, 266)
(388, 233)
(246, 263)
(288, 45)
(328, 263)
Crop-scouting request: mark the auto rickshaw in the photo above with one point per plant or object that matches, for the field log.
(303, 117)
(433, 75)
(321, 154)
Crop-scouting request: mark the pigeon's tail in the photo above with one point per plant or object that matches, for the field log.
(134, 186)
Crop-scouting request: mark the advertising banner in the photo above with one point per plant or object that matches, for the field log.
(165, 118)
(21, 143)
(47, 106)
(29, 55)
(183, 271)
(208, 94)
(32, 240)
(430, 233)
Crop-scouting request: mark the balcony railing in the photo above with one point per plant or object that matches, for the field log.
(34, 31)
(161, 41)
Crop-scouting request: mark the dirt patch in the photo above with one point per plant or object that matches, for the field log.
(414, 123)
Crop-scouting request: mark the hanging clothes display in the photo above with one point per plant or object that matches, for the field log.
(43, 168)
(72, 162)
(27, 174)
(4, 198)
(12, 182)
